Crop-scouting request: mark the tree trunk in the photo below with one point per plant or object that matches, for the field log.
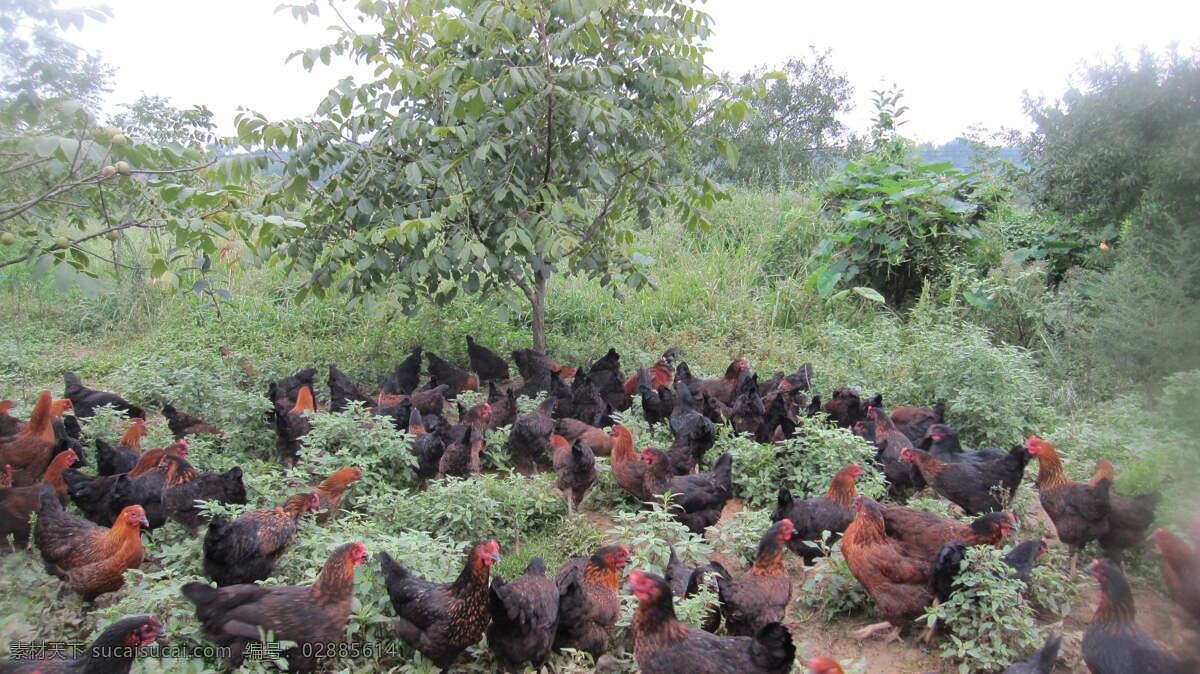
(539, 313)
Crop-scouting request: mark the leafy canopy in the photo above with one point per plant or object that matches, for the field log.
(494, 144)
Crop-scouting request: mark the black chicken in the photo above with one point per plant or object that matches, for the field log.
(524, 618)
(485, 362)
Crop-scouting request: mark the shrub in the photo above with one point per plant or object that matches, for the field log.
(650, 531)
(987, 622)
(831, 589)
(358, 438)
(738, 536)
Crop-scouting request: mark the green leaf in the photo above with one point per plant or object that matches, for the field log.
(869, 294)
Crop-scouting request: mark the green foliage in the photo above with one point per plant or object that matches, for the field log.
(831, 590)
(649, 531)
(738, 536)
(817, 452)
(1147, 115)
(987, 621)
(522, 138)
(793, 133)
(153, 119)
(357, 438)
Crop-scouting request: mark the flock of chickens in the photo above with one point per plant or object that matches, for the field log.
(905, 558)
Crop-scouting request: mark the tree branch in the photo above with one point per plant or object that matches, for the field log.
(143, 224)
(18, 167)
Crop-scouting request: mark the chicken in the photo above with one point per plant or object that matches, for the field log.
(524, 618)
(748, 411)
(896, 575)
(485, 362)
(1180, 570)
(180, 502)
(700, 498)
(811, 517)
(1113, 643)
(91, 559)
(246, 549)
(694, 433)
(913, 422)
(1022, 558)
(122, 458)
(1042, 661)
(778, 418)
(596, 439)
(576, 468)
(427, 447)
(660, 374)
(845, 407)
(504, 407)
(6, 476)
(442, 619)
(85, 400)
(330, 491)
(284, 393)
(146, 489)
(1079, 511)
(8, 423)
(18, 503)
(903, 478)
(461, 458)
(532, 364)
(292, 426)
(676, 573)
(588, 605)
(725, 387)
(628, 470)
(751, 601)
(971, 486)
(663, 645)
(1129, 517)
(609, 381)
(455, 378)
(585, 402)
(822, 665)
(657, 403)
(185, 424)
(342, 391)
(942, 441)
(406, 377)
(530, 434)
(112, 652)
(314, 616)
(707, 576)
(926, 533)
(98, 497)
(29, 451)
(714, 410)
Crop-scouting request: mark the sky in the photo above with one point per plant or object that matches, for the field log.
(960, 64)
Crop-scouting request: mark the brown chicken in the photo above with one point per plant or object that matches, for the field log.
(112, 652)
(896, 575)
(329, 493)
(926, 533)
(314, 617)
(596, 439)
(663, 645)
(661, 375)
(91, 559)
(462, 458)
(723, 388)
(291, 427)
(588, 605)
(6, 475)
(832, 512)
(245, 550)
(442, 619)
(8, 423)
(530, 435)
(1180, 570)
(18, 503)
(29, 451)
(1129, 517)
(627, 467)
(750, 601)
(1079, 511)
(576, 468)
(182, 424)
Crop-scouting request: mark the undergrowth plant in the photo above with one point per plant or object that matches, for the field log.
(830, 589)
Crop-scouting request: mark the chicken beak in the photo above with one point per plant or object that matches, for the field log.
(144, 522)
(495, 558)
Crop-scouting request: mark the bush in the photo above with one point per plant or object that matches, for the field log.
(987, 622)
(831, 589)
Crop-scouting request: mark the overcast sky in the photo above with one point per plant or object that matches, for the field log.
(959, 63)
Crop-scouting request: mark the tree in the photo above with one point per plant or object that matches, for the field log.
(70, 186)
(153, 119)
(793, 131)
(498, 143)
(1126, 141)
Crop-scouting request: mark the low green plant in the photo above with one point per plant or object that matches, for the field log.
(830, 589)
(987, 622)
(738, 536)
(818, 451)
(649, 532)
(357, 438)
